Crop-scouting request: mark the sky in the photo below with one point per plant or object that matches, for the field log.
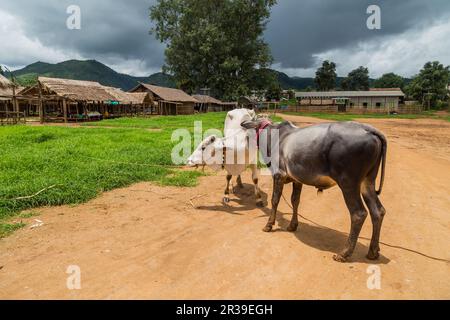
(301, 34)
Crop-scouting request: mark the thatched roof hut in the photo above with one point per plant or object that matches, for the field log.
(129, 97)
(206, 99)
(170, 101)
(166, 94)
(75, 89)
(6, 86)
(247, 102)
(207, 103)
(74, 99)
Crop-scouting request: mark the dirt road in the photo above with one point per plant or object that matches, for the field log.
(152, 242)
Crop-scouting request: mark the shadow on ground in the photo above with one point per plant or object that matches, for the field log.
(314, 235)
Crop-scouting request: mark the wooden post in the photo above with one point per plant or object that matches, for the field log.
(65, 110)
(15, 104)
(40, 104)
(385, 105)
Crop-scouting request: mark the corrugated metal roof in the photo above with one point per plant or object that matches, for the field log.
(349, 94)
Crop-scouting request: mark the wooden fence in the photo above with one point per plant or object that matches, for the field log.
(11, 117)
(402, 109)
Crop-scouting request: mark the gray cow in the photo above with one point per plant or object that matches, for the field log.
(347, 154)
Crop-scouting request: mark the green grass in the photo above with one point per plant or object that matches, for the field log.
(350, 117)
(210, 120)
(7, 228)
(83, 162)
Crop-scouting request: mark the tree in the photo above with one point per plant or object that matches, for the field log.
(431, 84)
(326, 76)
(389, 80)
(215, 44)
(357, 79)
(273, 92)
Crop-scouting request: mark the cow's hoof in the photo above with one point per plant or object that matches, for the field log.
(267, 228)
(292, 227)
(260, 204)
(373, 255)
(339, 258)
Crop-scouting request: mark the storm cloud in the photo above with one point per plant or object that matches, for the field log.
(301, 34)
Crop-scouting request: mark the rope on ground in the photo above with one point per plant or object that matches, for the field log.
(33, 195)
(134, 163)
(383, 243)
(189, 202)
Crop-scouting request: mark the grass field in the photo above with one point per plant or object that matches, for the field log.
(79, 163)
(350, 117)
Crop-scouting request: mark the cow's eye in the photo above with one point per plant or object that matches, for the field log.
(203, 148)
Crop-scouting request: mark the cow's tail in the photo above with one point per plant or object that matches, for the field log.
(383, 157)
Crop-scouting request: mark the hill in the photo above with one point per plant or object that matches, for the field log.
(93, 70)
(90, 70)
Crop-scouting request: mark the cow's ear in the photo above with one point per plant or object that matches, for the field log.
(249, 124)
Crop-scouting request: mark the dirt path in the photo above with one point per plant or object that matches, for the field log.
(150, 242)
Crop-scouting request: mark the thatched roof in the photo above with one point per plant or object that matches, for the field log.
(140, 97)
(169, 94)
(76, 89)
(245, 100)
(5, 86)
(128, 97)
(206, 99)
(4, 82)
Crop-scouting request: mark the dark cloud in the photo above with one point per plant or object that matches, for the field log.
(299, 29)
(110, 30)
(117, 31)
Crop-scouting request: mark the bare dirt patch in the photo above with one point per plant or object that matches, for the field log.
(156, 242)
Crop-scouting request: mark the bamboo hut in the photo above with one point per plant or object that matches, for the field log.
(6, 93)
(76, 100)
(9, 105)
(247, 102)
(128, 103)
(207, 104)
(168, 101)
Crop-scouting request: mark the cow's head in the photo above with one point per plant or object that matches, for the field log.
(209, 152)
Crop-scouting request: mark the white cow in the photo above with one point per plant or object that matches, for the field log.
(232, 153)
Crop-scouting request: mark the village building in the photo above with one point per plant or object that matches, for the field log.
(374, 101)
(168, 101)
(207, 104)
(55, 99)
(9, 104)
(6, 93)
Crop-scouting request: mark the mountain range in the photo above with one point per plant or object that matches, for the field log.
(90, 70)
(93, 70)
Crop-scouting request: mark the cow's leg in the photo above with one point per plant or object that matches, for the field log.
(239, 182)
(377, 213)
(226, 198)
(358, 214)
(278, 185)
(255, 178)
(295, 201)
